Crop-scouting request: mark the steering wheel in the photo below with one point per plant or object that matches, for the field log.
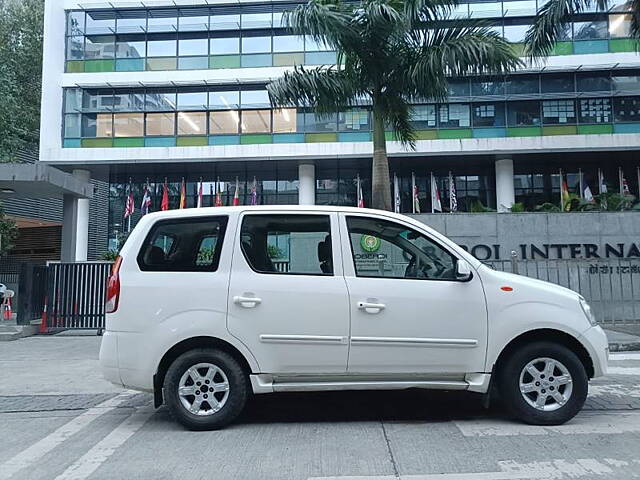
(412, 270)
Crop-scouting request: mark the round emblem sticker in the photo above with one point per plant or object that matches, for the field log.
(369, 243)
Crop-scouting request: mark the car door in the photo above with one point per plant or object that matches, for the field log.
(288, 300)
(409, 314)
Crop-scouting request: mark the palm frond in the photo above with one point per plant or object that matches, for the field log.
(397, 116)
(635, 20)
(326, 21)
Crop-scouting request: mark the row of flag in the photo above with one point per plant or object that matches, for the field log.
(585, 191)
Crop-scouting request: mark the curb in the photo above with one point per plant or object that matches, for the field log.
(624, 346)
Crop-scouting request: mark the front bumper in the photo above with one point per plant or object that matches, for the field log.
(597, 345)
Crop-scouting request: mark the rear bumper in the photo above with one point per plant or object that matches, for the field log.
(120, 356)
(109, 358)
(596, 343)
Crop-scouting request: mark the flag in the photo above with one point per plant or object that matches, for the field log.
(624, 186)
(218, 194)
(200, 186)
(164, 205)
(236, 194)
(254, 192)
(415, 194)
(436, 205)
(453, 198)
(183, 195)
(587, 194)
(564, 194)
(602, 185)
(129, 206)
(359, 192)
(396, 194)
(145, 207)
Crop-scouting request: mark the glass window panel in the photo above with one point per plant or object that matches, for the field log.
(72, 100)
(192, 100)
(128, 125)
(522, 84)
(160, 124)
(285, 120)
(224, 122)
(486, 10)
(626, 83)
(75, 48)
(72, 126)
(355, 120)
(193, 46)
(278, 20)
(483, 87)
(595, 110)
(131, 21)
(423, 116)
(160, 100)
(75, 23)
(557, 83)
(593, 82)
(224, 99)
(521, 114)
(460, 11)
(192, 123)
(162, 46)
(224, 22)
(488, 115)
(131, 46)
(627, 109)
(310, 45)
(252, 98)
(288, 43)
(256, 45)
(100, 22)
(458, 87)
(515, 33)
(193, 23)
(256, 121)
(97, 100)
(256, 20)
(128, 101)
(193, 63)
(314, 123)
(162, 21)
(557, 112)
(100, 47)
(454, 115)
(523, 8)
(620, 26)
(590, 30)
(96, 125)
(225, 46)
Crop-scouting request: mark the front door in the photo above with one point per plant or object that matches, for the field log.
(409, 314)
(287, 296)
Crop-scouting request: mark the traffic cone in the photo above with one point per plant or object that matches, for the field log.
(8, 314)
(43, 324)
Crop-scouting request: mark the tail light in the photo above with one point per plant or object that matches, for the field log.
(113, 287)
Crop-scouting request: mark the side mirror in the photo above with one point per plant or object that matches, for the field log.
(463, 271)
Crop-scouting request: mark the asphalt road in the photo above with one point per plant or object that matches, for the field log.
(59, 420)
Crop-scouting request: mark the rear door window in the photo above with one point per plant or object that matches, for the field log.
(184, 245)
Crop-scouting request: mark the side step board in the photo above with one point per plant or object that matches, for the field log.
(475, 382)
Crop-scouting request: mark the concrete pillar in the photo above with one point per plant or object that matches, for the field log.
(307, 184)
(505, 191)
(75, 224)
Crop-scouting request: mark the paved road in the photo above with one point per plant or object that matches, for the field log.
(49, 431)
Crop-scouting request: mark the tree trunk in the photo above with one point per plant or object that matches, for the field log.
(380, 183)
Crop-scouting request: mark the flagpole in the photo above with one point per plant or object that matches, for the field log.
(450, 193)
(581, 184)
(638, 174)
(357, 190)
(620, 186)
(599, 181)
(413, 192)
(561, 199)
(433, 208)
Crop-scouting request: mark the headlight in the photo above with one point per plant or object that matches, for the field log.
(586, 308)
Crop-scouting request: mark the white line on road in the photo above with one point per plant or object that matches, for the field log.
(623, 371)
(39, 449)
(614, 357)
(100, 453)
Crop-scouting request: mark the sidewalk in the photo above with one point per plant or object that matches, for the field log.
(624, 338)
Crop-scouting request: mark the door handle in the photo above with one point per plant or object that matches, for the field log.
(247, 302)
(371, 307)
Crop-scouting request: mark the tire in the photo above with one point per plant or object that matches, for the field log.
(561, 399)
(191, 371)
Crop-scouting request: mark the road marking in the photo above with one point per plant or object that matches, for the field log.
(39, 449)
(623, 371)
(614, 357)
(584, 424)
(100, 453)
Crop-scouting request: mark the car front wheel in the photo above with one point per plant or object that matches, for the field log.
(543, 383)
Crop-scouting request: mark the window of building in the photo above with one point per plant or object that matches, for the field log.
(131, 46)
(255, 98)
(515, 33)
(75, 48)
(224, 99)
(162, 46)
(402, 252)
(593, 82)
(72, 125)
(458, 87)
(193, 23)
(255, 20)
(75, 23)
(72, 100)
(224, 122)
(131, 21)
(192, 123)
(288, 244)
(485, 86)
(256, 121)
(557, 83)
(356, 119)
(285, 120)
(225, 46)
(97, 125)
(100, 47)
(627, 109)
(288, 43)
(224, 22)
(162, 20)
(517, 84)
(620, 26)
(626, 83)
(256, 45)
(595, 30)
(161, 124)
(316, 123)
(97, 100)
(128, 101)
(488, 115)
(160, 100)
(485, 10)
(190, 245)
(558, 111)
(189, 45)
(454, 115)
(193, 100)
(310, 45)
(520, 8)
(100, 22)
(423, 116)
(595, 110)
(128, 125)
(521, 114)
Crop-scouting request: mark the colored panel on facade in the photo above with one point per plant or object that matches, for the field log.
(524, 132)
(97, 142)
(224, 140)
(287, 59)
(99, 66)
(560, 130)
(159, 64)
(288, 138)
(255, 139)
(321, 137)
(130, 65)
(518, 48)
(128, 142)
(320, 58)
(354, 137)
(626, 128)
(75, 66)
(617, 45)
(595, 129)
(489, 132)
(455, 133)
(224, 61)
(71, 143)
(192, 141)
(160, 142)
(562, 48)
(193, 63)
(590, 46)
(426, 134)
(257, 60)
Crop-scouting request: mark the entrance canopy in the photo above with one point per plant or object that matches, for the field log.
(35, 180)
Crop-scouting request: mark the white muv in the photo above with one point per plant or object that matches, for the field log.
(207, 306)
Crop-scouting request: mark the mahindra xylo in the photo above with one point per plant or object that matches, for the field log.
(208, 306)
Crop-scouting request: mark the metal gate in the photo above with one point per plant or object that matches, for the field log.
(75, 296)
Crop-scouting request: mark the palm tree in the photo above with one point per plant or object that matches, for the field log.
(554, 16)
(391, 53)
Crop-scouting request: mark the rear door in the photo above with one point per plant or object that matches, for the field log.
(287, 296)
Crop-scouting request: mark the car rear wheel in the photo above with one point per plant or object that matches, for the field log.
(205, 389)
(543, 383)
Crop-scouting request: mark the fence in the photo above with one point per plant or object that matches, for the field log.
(611, 286)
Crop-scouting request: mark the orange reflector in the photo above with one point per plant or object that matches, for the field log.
(506, 289)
